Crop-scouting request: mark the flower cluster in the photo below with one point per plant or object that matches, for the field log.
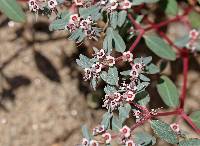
(111, 5)
(87, 26)
(193, 37)
(86, 142)
(125, 135)
(101, 60)
(35, 5)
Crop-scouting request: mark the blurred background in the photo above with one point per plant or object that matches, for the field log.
(43, 98)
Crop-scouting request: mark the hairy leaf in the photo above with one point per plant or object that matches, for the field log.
(160, 47)
(168, 91)
(164, 131)
(195, 117)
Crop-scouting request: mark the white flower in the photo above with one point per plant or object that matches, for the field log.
(114, 4)
(126, 4)
(125, 131)
(130, 143)
(84, 24)
(107, 137)
(129, 95)
(138, 66)
(117, 96)
(74, 18)
(85, 142)
(97, 67)
(134, 73)
(175, 127)
(78, 2)
(194, 34)
(88, 74)
(52, 4)
(128, 56)
(31, 3)
(33, 6)
(100, 54)
(110, 60)
(103, 2)
(94, 143)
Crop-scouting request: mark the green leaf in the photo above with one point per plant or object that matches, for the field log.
(93, 11)
(141, 86)
(182, 42)
(164, 131)
(77, 36)
(168, 91)
(113, 19)
(142, 98)
(195, 117)
(13, 10)
(190, 142)
(111, 36)
(139, 2)
(106, 120)
(116, 124)
(86, 133)
(94, 83)
(111, 77)
(152, 69)
(84, 62)
(59, 24)
(110, 89)
(121, 18)
(170, 6)
(160, 47)
(144, 139)
(194, 18)
(144, 78)
(124, 112)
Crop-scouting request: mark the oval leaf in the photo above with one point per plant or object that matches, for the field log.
(160, 47)
(164, 131)
(168, 92)
(13, 10)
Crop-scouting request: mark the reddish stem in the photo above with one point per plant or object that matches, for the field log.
(136, 42)
(185, 59)
(190, 122)
(166, 113)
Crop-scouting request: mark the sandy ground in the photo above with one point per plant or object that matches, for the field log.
(42, 102)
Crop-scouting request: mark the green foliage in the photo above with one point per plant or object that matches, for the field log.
(106, 120)
(195, 117)
(124, 112)
(139, 2)
(61, 22)
(144, 139)
(13, 10)
(113, 36)
(84, 61)
(168, 91)
(159, 47)
(190, 142)
(86, 133)
(170, 6)
(110, 77)
(194, 18)
(164, 131)
(116, 124)
(142, 98)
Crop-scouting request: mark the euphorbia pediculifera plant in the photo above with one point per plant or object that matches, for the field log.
(125, 91)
